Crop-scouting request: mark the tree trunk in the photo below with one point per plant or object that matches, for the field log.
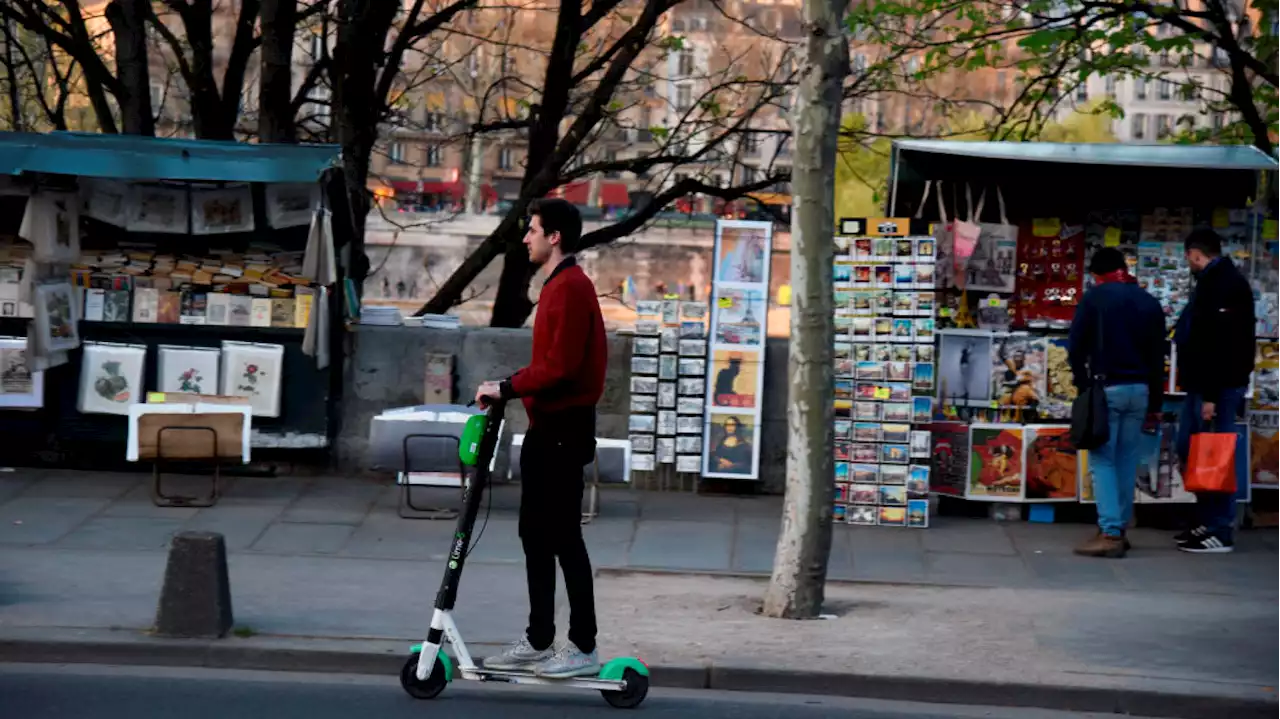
(275, 102)
(128, 24)
(475, 175)
(804, 543)
(357, 54)
(11, 69)
(512, 306)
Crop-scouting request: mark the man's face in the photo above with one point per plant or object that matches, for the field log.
(538, 242)
(1197, 259)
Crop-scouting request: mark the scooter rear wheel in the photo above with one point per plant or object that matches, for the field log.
(629, 698)
(422, 689)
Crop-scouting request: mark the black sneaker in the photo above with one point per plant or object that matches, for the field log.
(1207, 545)
(1189, 534)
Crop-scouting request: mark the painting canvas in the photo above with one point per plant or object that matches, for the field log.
(1051, 464)
(996, 465)
(291, 205)
(110, 378)
(20, 386)
(1264, 449)
(188, 369)
(254, 371)
(1060, 388)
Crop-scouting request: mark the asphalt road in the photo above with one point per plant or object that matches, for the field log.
(98, 692)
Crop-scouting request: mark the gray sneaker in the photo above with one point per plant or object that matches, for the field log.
(568, 662)
(520, 656)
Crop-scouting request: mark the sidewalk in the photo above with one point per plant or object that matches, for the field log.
(965, 606)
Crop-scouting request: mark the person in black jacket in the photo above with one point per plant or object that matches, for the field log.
(1117, 338)
(1215, 342)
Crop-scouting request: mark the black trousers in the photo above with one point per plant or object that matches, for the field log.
(551, 487)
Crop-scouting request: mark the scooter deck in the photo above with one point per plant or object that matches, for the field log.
(528, 677)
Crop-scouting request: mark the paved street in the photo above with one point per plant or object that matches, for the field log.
(89, 692)
(326, 563)
(350, 518)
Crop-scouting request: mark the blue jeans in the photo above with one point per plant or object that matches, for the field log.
(1115, 464)
(1217, 510)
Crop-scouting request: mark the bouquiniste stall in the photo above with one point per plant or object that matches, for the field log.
(1015, 225)
(135, 265)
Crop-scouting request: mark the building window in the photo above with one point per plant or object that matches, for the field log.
(435, 156)
(684, 63)
(396, 153)
(434, 122)
(1111, 86)
(1163, 128)
(1082, 91)
(750, 144)
(505, 159)
(684, 97)
(1217, 121)
(1139, 128)
(1166, 90)
(1140, 88)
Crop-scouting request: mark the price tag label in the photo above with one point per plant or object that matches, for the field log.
(1221, 218)
(1112, 237)
(155, 397)
(725, 302)
(1046, 227)
(944, 311)
(995, 404)
(882, 393)
(1269, 229)
(994, 302)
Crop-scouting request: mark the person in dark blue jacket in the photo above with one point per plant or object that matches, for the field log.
(1215, 339)
(1118, 339)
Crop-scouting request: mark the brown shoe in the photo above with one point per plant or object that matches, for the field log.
(1101, 545)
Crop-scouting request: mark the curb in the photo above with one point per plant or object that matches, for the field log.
(325, 656)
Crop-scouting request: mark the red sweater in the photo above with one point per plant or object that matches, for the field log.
(567, 369)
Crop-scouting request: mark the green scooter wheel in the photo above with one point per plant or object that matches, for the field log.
(423, 689)
(637, 689)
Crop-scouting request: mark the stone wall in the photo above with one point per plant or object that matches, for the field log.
(385, 368)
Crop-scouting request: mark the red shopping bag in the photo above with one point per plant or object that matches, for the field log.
(1211, 464)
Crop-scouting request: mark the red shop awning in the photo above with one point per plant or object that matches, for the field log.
(612, 194)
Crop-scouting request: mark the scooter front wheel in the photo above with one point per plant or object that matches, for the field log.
(417, 688)
(629, 698)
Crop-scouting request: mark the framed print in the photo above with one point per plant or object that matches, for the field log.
(644, 403)
(642, 443)
(1052, 466)
(996, 464)
(644, 365)
(20, 386)
(964, 363)
(1018, 371)
(644, 346)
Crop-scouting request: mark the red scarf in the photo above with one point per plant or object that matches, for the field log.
(1120, 275)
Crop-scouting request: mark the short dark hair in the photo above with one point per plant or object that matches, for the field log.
(1205, 240)
(1106, 259)
(558, 215)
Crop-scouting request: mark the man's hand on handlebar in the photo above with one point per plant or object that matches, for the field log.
(487, 393)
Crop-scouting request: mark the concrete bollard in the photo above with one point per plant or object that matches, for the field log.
(196, 598)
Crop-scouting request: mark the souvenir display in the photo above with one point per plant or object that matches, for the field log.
(996, 465)
(254, 371)
(1051, 464)
(110, 378)
(733, 366)
(1264, 449)
(669, 412)
(20, 385)
(191, 370)
(884, 352)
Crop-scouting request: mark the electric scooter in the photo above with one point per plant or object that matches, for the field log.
(624, 681)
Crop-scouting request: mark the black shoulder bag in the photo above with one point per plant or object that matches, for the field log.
(1089, 426)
